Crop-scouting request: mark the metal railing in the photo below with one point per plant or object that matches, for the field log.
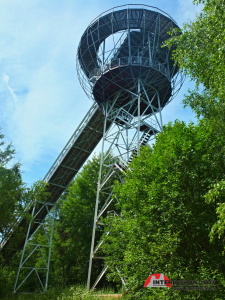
(71, 141)
(125, 61)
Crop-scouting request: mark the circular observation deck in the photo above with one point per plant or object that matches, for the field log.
(123, 46)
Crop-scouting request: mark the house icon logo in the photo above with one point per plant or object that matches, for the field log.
(158, 280)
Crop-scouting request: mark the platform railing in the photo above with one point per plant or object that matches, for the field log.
(71, 141)
(126, 61)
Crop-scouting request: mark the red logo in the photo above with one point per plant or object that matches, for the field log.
(157, 280)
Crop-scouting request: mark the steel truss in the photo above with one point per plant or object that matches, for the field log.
(36, 253)
(123, 139)
(123, 67)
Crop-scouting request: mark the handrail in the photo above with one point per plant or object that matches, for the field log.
(126, 61)
(71, 141)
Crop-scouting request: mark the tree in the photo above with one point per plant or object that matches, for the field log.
(165, 221)
(15, 197)
(200, 53)
(11, 189)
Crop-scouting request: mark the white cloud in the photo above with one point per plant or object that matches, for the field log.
(5, 79)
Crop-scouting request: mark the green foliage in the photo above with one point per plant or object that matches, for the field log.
(165, 221)
(71, 293)
(200, 53)
(11, 188)
(217, 195)
(172, 218)
(80, 293)
(200, 49)
(6, 280)
(73, 232)
(15, 197)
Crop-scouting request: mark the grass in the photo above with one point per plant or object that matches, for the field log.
(72, 293)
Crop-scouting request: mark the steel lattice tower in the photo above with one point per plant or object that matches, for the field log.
(123, 66)
(124, 69)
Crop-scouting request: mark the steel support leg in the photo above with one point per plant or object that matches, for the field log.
(36, 247)
(123, 139)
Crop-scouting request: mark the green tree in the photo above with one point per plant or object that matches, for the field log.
(216, 194)
(200, 53)
(11, 189)
(165, 221)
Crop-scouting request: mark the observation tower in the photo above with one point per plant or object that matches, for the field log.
(124, 67)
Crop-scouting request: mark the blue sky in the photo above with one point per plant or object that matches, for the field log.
(41, 101)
